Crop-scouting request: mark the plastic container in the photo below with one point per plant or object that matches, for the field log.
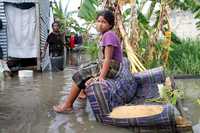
(25, 73)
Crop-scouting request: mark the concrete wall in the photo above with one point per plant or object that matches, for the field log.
(183, 24)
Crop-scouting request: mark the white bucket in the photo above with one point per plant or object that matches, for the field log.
(25, 73)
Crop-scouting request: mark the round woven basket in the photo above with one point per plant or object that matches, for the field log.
(137, 111)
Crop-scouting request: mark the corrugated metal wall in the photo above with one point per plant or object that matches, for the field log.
(20, 1)
(3, 32)
(44, 22)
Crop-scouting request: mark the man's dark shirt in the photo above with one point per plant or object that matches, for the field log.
(56, 44)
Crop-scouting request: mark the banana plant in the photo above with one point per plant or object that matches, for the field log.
(141, 27)
(198, 101)
(65, 17)
(162, 23)
(88, 10)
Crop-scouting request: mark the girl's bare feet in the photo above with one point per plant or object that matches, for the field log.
(62, 108)
(82, 95)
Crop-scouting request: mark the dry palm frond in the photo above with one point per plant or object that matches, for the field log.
(123, 2)
(135, 63)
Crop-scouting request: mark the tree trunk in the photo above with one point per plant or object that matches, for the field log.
(134, 38)
(150, 55)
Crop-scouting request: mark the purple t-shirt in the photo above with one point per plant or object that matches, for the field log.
(109, 38)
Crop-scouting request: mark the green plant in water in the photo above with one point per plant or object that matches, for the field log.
(198, 100)
(91, 48)
(168, 95)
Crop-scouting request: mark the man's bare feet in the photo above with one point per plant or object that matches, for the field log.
(61, 108)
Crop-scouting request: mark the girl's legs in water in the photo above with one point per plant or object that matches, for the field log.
(82, 95)
(68, 104)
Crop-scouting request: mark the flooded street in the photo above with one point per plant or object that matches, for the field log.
(26, 104)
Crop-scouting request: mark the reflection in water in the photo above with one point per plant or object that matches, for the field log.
(26, 104)
(74, 58)
(196, 128)
(192, 92)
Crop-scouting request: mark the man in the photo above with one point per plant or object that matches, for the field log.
(55, 44)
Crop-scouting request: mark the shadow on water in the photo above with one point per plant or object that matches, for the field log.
(26, 104)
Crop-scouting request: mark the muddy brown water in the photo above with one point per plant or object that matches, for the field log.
(26, 103)
(191, 107)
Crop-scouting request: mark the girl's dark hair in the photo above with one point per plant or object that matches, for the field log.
(56, 22)
(108, 16)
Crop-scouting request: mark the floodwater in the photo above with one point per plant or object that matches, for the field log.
(26, 103)
(191, 107)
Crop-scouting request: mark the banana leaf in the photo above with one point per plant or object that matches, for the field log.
(88, 10)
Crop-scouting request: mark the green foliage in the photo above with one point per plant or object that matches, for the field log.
(175, 39)
(151, 8)
(185, 57)
(145, 28)
(143, 43)
(157, 60)
(198, 101)
(142, 50)
(92, 49)
(169, 95)
(88, 10)
(65, 18)
(144, 21)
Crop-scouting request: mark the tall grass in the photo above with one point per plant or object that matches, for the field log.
(185, 57)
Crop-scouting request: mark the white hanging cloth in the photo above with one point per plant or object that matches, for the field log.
(22, 29)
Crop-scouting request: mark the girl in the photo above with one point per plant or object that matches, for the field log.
(108, 66)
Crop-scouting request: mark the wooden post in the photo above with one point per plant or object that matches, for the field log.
(37, 7)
